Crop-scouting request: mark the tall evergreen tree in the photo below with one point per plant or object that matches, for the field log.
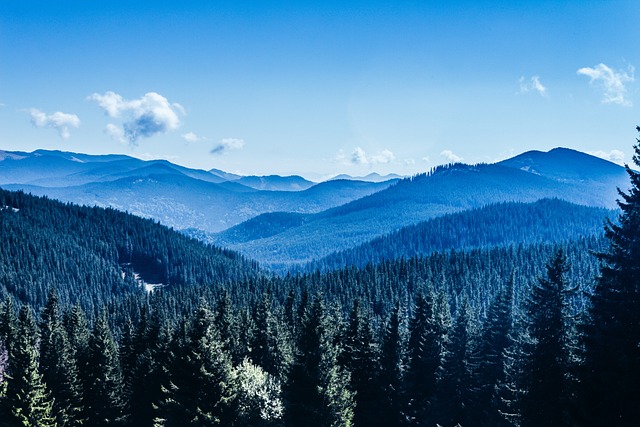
(548, 356)
(361, 359)
(104, 387)
(495, 341)
(611, 372)
(202, 389)
(425, 359)
(392, 367)
(317, 392)
(28, 401)
(58, 366)
(454, 390)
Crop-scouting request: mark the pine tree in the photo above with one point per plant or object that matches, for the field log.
(58, 367)
(611, 372)
(202, 388)
(495, 341)
(454, 394)
(361, 360)
(548, 356)
(392, 367)
(425, 358)
(317, 393)
(28, 401)
(103, 387)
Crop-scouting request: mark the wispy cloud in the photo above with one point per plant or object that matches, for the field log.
(58, 120)
(116, 133)
(360, 157)
(191, 137)
(147, 116)
(615, 156)
(532, 84)
(612, 82)
(450, 156)
(228, 144)
(409, 162)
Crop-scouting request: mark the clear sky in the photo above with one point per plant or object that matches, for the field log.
(319, 88)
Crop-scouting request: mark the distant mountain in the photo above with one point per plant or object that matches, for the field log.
(224, 175)
(503, 224)
(276, 182)
(372, 177)
(174, 195)
(446, 189)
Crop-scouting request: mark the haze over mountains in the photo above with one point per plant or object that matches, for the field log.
(176, 196)
(281, 221)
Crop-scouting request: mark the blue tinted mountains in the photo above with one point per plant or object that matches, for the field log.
(282, 221)
(176, 196)
(561, 173)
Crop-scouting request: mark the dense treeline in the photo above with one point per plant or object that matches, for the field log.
(523, 335)
(93, 255)
(544, 221)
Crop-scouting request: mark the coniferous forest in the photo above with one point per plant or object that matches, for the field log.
(518, 334)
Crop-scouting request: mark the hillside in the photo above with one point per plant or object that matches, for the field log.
(444, 190)
(177, 196)
(503, 224)
(94, 254)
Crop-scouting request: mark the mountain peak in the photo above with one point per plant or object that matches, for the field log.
(564, 164)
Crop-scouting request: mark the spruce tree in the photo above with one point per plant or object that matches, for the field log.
(548, 355)
(454, 394)
(611, 371)
(317, 393)
(104, 387)
(392, 367)
(58, 366)
(361, 359)
(28, 401)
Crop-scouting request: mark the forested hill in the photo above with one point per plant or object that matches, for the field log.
(93, 254)
(544, 221)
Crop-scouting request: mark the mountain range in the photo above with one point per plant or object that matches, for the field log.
(176, 196)
(281, 221)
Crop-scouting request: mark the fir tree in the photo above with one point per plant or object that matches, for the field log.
(28, 401)
(58, 366)
(611, 371)
(548, 356)
(103, 387)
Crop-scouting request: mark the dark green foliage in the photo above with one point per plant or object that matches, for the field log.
(502, 224)
(91, 254)
(547, 355)
(103, 383)
(611, 371)
(59, 367)
(27, 401)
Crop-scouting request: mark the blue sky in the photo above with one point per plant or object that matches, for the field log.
(319, 88)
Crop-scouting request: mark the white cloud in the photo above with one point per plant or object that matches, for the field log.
(228, 144)
(116, 133)
(611, 81)
(58, 120)
(360, 157)
(149, 115)
(451, 156)
(409, 162)
(191, 137)
(615, 156)
(532, 84)
(426, 159)
(385, 156)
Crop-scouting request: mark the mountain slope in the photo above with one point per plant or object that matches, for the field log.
(179, 197)
(544, 221)
(95, 253)
(445, 190)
